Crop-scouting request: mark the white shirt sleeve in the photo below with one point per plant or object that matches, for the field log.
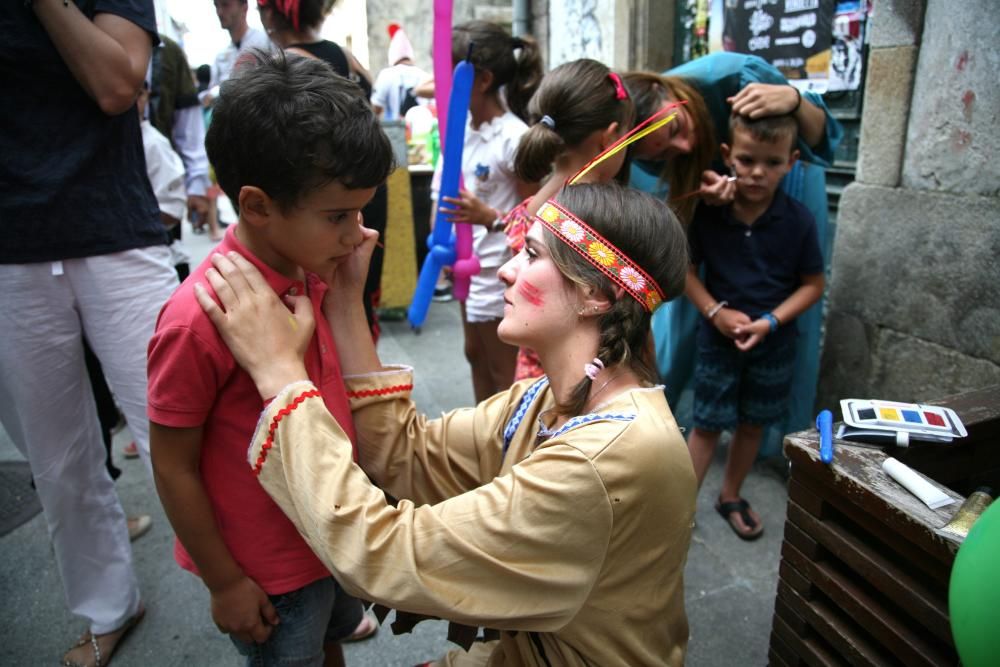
(189, 137)
(165, 171)
(380, 91)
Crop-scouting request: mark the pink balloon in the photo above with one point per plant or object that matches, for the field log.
(442, 62)
(466, 263)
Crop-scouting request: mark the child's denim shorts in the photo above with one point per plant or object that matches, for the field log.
(310, 616)
(733, 387)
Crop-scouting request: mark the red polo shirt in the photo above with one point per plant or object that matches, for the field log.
(194, 381)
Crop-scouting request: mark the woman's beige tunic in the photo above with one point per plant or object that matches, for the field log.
(574, 546)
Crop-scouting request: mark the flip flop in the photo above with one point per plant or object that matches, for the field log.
(366, 628)
(740, 506)
(90, 638)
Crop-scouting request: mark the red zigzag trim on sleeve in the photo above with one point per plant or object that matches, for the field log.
(283, 412)
(365, 393)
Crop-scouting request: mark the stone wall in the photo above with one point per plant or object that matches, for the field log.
(914, 299)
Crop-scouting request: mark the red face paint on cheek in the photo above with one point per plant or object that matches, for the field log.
(530, 293)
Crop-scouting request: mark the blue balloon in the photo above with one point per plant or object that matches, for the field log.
(442, 242)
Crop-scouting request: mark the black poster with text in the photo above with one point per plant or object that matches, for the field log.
(793, 35)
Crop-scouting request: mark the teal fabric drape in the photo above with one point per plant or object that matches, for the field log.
(718, 77)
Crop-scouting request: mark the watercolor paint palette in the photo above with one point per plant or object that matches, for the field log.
(865, 419)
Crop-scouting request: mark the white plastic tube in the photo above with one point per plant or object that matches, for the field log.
(932, 496)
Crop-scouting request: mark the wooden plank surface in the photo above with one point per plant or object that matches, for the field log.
(855, 518)
(798, 581)
(855, 480)
(835, 629)
(906, 639)
(928, 608)
(861, 552)
(811, 652)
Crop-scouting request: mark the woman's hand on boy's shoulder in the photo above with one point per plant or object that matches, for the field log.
(267, 339)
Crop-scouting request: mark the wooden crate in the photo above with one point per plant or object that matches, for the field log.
(864, 573)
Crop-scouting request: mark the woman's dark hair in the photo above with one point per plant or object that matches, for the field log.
(514, 62)
(683, 172)
(310, 13)
(289, 125)
(579, 98)
(645, 230)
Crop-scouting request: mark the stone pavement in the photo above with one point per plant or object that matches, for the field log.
(730, 583)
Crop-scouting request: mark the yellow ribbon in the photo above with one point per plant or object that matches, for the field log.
(639, 132)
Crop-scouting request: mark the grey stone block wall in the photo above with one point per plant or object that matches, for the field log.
(923, 263)
(954, 133)
(897, 23)
(864, 360)
(886, 112)
(914, 298)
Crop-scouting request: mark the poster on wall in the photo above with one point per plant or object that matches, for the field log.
(694, 17)
(586, 31)
(846, 50)
(793, 35)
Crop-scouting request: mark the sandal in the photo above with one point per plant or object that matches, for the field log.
(115, 637)
(742, 507)
(366, 628)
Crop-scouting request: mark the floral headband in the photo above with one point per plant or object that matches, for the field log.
(600, 252)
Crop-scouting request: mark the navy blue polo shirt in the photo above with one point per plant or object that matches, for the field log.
(755, 267)
(73, 180)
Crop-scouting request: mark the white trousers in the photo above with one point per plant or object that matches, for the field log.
(47, 406)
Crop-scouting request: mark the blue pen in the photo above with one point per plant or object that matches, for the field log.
(824, 424)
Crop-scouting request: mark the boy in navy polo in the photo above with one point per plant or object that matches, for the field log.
(763, 268)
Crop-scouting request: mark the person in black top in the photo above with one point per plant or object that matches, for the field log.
(84, 252)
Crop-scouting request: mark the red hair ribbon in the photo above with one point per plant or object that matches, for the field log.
(287, 8)
(620, 92)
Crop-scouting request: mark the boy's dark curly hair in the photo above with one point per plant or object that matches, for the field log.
(289, 125)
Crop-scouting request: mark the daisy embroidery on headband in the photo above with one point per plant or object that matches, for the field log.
(601, 253)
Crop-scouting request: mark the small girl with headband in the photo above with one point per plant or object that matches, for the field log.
(534, 512)
(580, 109)
(508, 71)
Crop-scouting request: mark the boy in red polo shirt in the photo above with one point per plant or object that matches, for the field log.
(300, 150)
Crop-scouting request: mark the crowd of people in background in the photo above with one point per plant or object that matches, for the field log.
(695, 259)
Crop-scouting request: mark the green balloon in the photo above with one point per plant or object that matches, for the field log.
(974, 592)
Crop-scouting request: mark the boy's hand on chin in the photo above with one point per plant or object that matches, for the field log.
(347, 279)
